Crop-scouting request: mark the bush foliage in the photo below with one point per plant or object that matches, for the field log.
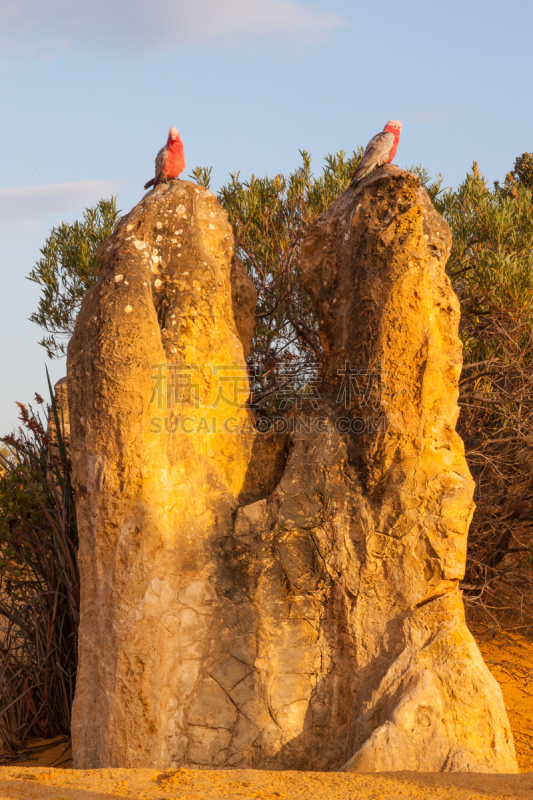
(491, 268)
(39, 584)
(270, 218)
(67, 270)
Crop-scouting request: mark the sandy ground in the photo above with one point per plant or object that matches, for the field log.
(510, 659)
(42, 753)
(39, 783)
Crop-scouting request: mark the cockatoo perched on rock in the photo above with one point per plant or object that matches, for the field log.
(170, 161)
(380, 150)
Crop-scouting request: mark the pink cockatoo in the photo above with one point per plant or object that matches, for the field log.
(380, 150)
(170, 161)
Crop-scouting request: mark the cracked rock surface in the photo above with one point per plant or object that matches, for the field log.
(283, 602)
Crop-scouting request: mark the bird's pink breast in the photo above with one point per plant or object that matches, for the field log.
(175, 163)
(394, 148)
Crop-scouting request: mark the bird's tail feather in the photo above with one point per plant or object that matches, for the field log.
(361, 172)
(150, 183)
(358, 174)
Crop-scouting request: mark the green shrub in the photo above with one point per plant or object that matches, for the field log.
(67, 270)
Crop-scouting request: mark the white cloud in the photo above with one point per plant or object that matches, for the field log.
(22, 207)
(137, 27)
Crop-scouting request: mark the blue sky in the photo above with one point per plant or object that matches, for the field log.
(90, 88)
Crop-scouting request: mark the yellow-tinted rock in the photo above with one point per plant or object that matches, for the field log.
(281, 604)
(158, 472)
(374, 266)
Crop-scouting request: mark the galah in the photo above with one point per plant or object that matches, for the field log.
(380, 150)
(170, 161)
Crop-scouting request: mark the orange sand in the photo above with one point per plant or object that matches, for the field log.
(151, 784)
(510, 659)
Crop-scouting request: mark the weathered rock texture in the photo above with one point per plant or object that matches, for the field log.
(153, 499)
(62, 409)
(287, 604)
(386, 510)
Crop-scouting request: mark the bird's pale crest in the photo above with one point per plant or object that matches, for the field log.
(173, 133)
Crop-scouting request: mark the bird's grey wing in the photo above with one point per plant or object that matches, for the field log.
(160, 160)
(376, 153)
(378, 149)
